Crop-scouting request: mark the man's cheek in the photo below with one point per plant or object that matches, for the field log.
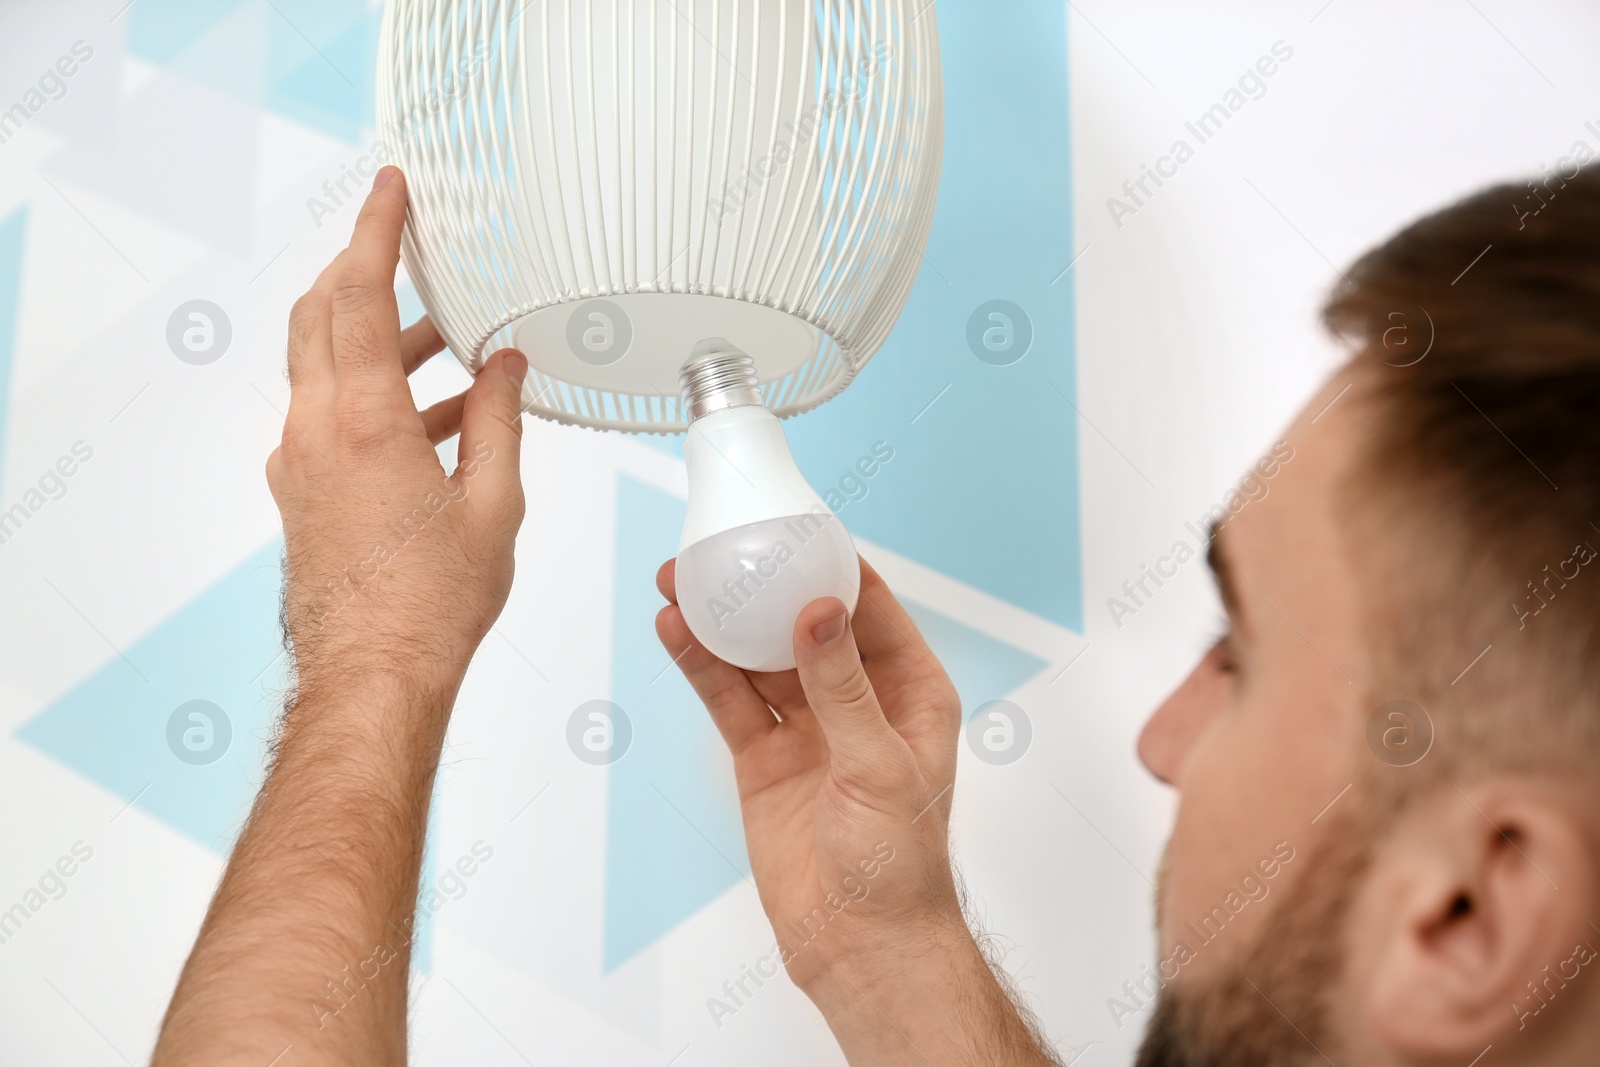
(1220, 829)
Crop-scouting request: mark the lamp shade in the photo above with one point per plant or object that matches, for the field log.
(607, 184)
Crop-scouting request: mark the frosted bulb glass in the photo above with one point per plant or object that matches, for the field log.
(742, 589)
(758, 542)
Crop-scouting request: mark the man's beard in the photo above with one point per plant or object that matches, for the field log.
(1270, 1008)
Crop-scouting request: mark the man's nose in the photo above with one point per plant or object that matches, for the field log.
(1172, 729)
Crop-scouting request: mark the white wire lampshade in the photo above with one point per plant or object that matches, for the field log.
(607, 184)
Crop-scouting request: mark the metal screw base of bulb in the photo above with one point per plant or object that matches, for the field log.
(717, 376)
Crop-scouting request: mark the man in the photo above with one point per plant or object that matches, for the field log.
(1387, 848)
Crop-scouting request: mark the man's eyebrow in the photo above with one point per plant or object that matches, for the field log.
(1217, 560)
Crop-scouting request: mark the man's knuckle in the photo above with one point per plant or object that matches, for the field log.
(499, 510)
(511, 509)
(293, 449)
(854, 691)
(875, 778)
(309, 305)
(304, 318)
(354, 291)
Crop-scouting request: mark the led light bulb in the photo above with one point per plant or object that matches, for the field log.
(758, 543)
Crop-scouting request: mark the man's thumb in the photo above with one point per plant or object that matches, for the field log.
(860, 739)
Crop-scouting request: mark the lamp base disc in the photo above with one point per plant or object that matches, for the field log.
(636, 342)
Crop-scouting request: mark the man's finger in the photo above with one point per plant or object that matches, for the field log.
(741, 716)
(865, 749)
(442, 421)
(491, 430)
(780, 690)
(883, 630)
(366, 318)
(310, 353)
(783, 693)
(419, 343)
(375, 244)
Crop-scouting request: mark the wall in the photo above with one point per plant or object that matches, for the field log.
(1172, 336)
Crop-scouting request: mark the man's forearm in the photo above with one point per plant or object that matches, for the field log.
(930, 999)
(307, 942)
(320, 892)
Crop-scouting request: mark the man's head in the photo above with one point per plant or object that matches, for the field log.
(1388, 841)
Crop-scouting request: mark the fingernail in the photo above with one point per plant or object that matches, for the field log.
(515, 366)
(385, 176)
(830, 629)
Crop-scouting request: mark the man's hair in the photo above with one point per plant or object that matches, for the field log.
(1476, 501)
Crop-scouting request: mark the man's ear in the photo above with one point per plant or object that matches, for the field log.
(1483, 896)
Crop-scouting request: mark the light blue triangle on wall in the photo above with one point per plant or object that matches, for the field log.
(307, 25)
(231, 56)
(329, 87)
(158, 30)
(224, 646)
(314, 61)
(983, 668)
(113, 727)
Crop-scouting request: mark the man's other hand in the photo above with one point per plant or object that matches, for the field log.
(845, 767)
(845, 770)
(392, 566)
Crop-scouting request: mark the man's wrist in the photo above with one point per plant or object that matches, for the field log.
(377, 731)
(897, 952)
(880, 954)
(924, 990)
(359, 691)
